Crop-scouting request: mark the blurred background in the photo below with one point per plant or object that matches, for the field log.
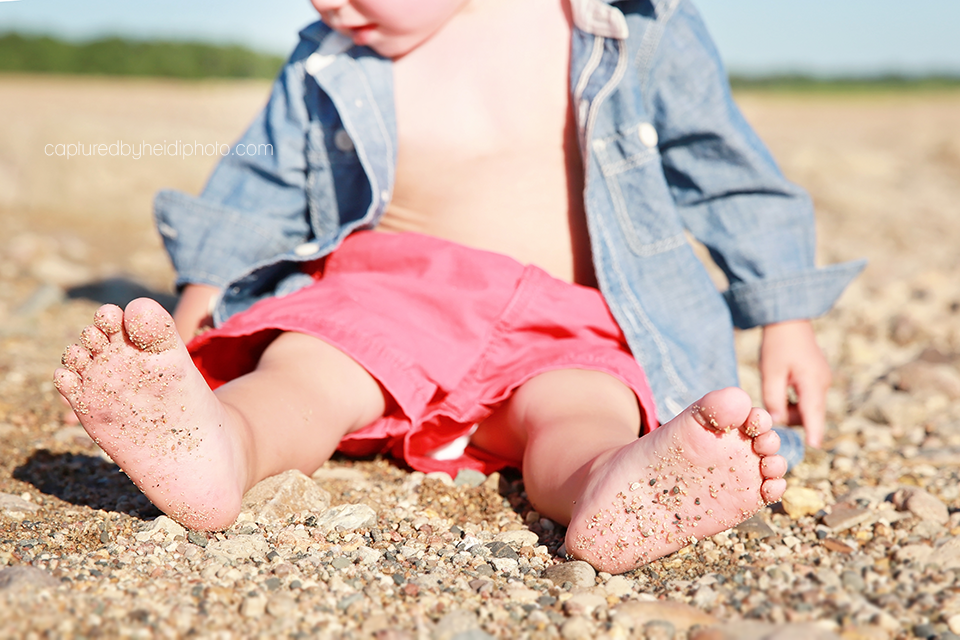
(822, 38)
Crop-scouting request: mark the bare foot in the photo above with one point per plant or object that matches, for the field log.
(706, 470)
(135, 390)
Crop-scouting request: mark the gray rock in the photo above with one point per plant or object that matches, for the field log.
(924, 376)
(828, 578)
(499, 549)
(947, 555)
(162, 525)
(852, 581)
(576, 572)
(23, 577)
(469, 478)
(347, 517)
(577, 628)
(844, 517)
(705, 597)
(519, 538)
(13, 505)
(584, 604)
(274, 499)
(755, 527)
(618, 586)
(505, 565)
(928, 529)
(921, 504)
(367, 555)
(455, 623)
(238, 549)
(659, 630)
(197, 538)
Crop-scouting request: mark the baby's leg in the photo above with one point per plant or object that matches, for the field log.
(192, 451)
(629, 501)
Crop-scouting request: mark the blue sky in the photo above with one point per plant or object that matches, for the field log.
(829, 37)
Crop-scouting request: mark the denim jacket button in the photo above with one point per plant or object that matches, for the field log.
(307, 249)
(341, 139)
(648, 135)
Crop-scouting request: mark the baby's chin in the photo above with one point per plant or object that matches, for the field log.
(388, 45)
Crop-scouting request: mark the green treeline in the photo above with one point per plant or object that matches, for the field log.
(119, 57)
(893, 82)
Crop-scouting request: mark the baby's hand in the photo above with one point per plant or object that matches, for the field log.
(790, 357)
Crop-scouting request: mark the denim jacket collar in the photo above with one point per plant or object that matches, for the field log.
(599, 18)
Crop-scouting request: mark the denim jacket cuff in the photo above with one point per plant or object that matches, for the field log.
(795, 296)
(186, 223)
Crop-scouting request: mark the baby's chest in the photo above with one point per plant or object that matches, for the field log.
(479, 106)
(479, 120)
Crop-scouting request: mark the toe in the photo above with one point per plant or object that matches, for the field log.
(758, 423)
(149, 326)
(772, 490)
(109, 319)
(76, 358)
(67, 383)
(723, 410)
(766, 444)
(93, 339)
(773, 467)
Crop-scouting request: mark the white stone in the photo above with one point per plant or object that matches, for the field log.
(347, 517)
(801, 501)
(239, 548)
(618, 586)
(519, 538)
(953, 623)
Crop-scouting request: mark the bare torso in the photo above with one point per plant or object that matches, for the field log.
(488, 155)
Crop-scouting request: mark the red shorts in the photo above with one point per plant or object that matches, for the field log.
(448, 331)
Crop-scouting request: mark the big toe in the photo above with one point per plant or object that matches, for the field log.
(149, 326)
(724, 410)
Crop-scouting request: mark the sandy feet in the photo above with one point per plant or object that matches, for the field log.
(705, 471)
(136, 392)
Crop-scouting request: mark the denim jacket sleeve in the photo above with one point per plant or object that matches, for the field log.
(255, 204)
(728, 190)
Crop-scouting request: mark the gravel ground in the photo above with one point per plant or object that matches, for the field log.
(865, 545)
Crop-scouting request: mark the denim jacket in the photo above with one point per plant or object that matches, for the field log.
(665, 153)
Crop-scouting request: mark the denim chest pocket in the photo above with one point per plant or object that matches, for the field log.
(336, 186)
(640, 196)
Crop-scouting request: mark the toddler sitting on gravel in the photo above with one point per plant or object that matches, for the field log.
(456, 234)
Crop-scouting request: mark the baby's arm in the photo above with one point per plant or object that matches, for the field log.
(757, 225)
(790, 357)
(254, 207)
